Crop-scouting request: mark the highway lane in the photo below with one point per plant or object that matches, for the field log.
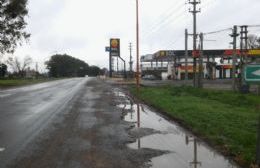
(26, 111)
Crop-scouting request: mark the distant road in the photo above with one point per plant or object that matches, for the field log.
(26, 111)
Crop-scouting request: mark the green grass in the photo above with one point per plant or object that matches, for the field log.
(227, 120)
(5, 83)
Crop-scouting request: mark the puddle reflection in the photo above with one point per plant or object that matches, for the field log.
(195, 161)
(184, 150)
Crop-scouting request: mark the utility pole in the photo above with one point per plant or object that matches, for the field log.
(137, 46)
(234, 57)
(186, 55)
(36, 70)
(194, 12)
(131, 58)
(243, 51)
(200, 79)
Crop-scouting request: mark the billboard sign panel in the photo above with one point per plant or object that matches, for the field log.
(115, 47)
(107, 49)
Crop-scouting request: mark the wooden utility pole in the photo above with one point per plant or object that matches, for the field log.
(194, 12)
(137, 47)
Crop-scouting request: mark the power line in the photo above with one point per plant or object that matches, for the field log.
(253, 25)
(160, 29)
(218, 31)
(164, 21)
(162, 17)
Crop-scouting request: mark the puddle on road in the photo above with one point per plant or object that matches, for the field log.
(184, 149)
(2, 149)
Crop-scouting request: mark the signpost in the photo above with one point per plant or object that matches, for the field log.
(252, 73)
(115, 47)
(114, 51)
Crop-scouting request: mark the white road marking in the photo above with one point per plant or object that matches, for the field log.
(257, 73)
(5, 95)
(2, 149)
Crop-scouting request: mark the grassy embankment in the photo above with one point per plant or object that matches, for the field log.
(227, 120)
(6, 83)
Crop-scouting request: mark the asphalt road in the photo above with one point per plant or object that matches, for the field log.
(25, 112)
(66, 123)
(91, 123)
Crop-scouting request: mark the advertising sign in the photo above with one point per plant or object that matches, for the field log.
(107, 49)
(115, 47)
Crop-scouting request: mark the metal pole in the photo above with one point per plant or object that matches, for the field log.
(137, 47)
(194, 46)
(125, 76)
(200, 81)
(246, 43)
(186, 55)
(234, 57)
(131, 61)
(258, 138)
(110, 65)
(117, 66)
(243, 47)
(194, 12)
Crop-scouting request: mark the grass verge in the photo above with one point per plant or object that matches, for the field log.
(7, 83)
(225, 119)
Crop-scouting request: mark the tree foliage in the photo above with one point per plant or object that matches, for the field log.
(66, 66)
(94, 71)
(12, 24)
(3, 70)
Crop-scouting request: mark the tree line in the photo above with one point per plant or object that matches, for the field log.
(68, 66)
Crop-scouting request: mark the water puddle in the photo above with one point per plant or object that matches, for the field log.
(2, 149)
(183, 149)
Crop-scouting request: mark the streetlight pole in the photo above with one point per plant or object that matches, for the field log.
(137, 47)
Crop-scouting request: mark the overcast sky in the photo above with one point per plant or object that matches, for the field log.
(82, 28)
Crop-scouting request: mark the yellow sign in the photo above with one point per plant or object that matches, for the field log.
(114, 43)
(254, 52)
(162, 54)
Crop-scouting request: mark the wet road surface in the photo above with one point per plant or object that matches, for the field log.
(184, 150)
(90, 123)
(26, 111)
(71, 123)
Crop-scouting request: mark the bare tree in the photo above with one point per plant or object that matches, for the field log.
(253, 41)
(18, 66)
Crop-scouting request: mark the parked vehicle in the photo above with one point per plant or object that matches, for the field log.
(149, 77)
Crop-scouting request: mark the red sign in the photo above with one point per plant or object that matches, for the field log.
(230, 52)
(195, 53)
(227, 66)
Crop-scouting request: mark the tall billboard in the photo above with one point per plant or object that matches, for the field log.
(115, 47)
